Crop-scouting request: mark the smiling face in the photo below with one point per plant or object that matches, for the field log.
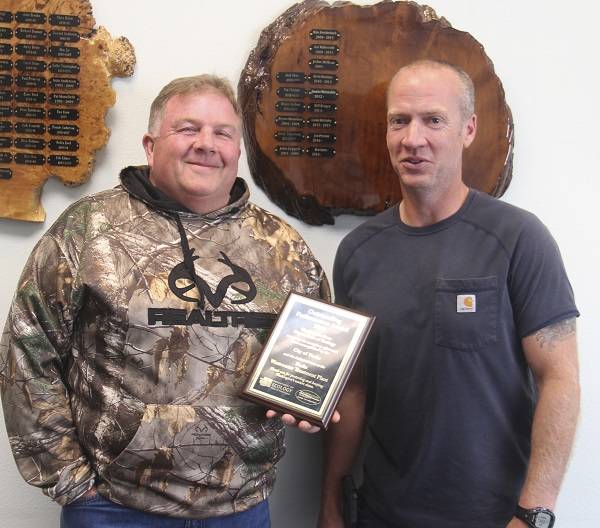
(426, 130)
(193, 151)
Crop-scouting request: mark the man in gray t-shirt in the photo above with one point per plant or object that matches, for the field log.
(469, 380)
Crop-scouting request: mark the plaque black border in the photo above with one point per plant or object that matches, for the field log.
(344, 369)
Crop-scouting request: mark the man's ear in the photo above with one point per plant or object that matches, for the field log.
(148, 144)
(470, 131)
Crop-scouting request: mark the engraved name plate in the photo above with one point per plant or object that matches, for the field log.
(60, 114)
(24, 33)
(67, 145)
(323, 49)
(64, 99)
(60, 160)
(319, 137)
(324, 34)
(323, 64)
(64, 36)
(30, 112)
(321, 122)
(64, 20)
(289, 92)
(27, 158)
(71, 68)
(289, 136)
(30, 97)
(64, 51)
(323, 93)
(288, 150)
(290, 77)
(322, 78)
(25, 65)
(321, 108)
(30, 128)
(290, 106)
(291, 122)
(64, 83)
(30, 81)
(30, 143)
(320, 152)
(25, 17)
(32, 50)
(63, 130)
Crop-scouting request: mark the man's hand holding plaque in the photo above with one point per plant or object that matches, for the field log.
(307, 360)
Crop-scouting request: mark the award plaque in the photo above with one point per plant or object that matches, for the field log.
(308, 358)
(55, 89)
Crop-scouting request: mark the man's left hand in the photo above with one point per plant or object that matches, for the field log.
(303, 425)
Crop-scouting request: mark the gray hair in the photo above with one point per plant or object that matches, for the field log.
(190, 85)
(467, 98)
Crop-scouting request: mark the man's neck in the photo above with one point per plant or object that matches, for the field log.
(421, 210)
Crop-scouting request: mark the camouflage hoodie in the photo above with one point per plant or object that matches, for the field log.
(133, 329)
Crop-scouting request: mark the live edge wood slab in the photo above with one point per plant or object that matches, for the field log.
(313, 99)
(55, 89)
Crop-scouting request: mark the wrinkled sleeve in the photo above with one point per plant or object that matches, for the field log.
(317, 275)
(540, 290)
(324, 288)
(34, 358)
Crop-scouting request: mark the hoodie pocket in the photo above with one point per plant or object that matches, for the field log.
(150, 458)
(180, 447)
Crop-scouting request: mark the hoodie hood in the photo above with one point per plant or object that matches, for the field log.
(136, 181)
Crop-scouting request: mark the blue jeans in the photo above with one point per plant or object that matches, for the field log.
(98, 512)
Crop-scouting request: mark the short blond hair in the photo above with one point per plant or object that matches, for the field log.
(191, 85)
(467, 96)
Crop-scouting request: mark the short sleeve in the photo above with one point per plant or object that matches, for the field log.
(540, 291)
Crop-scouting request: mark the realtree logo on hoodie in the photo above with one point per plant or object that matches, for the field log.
(222, 318)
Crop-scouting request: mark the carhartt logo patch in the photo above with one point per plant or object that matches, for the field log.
(466, 303)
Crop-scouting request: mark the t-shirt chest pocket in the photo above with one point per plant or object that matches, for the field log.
(466, 312)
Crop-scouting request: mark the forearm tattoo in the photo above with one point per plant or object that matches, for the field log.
(547, 337)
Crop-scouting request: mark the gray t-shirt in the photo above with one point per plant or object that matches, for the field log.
(450, 398)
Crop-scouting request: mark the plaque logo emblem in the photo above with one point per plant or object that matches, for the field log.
(308, 397)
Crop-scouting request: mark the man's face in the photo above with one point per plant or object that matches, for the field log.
(426, 132)
(193, 151)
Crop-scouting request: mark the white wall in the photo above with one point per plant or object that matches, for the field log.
(546, 56)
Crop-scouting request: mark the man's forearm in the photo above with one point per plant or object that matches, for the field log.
(342, 443)
(552, 437)
(552, 355)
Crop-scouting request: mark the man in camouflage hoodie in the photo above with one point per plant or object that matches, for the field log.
(135, 325)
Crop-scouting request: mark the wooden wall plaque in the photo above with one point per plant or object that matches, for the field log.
(55, 89)
(313, 100)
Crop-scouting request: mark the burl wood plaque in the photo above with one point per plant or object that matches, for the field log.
(313, 98)
(55, 89)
